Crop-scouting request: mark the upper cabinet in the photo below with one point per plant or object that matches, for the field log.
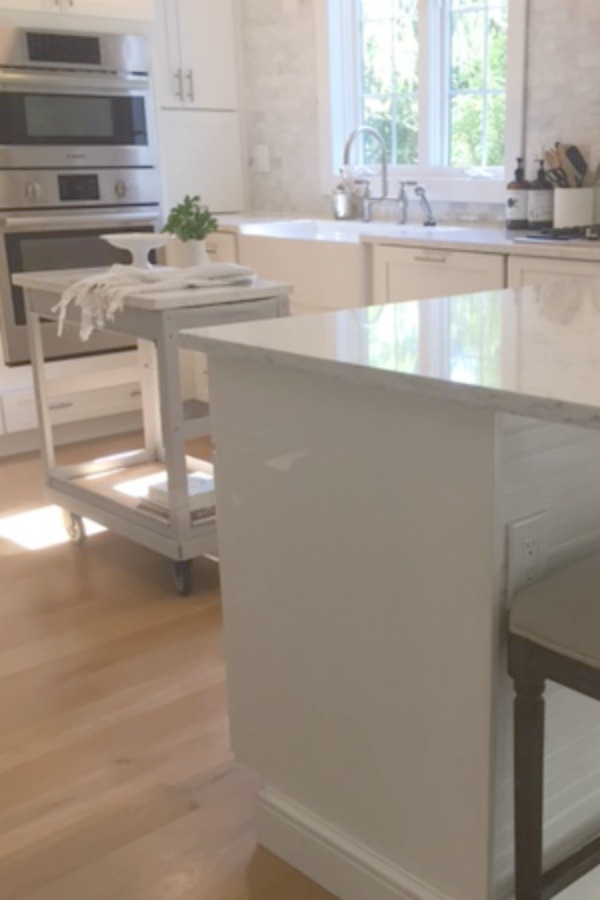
(122, 9)
(200, 59)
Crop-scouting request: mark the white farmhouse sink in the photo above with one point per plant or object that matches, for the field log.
(342, 230)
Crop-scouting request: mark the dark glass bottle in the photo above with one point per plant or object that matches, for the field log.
(517, 196)
(541, 201)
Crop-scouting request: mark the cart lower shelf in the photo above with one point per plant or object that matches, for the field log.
(117, 498)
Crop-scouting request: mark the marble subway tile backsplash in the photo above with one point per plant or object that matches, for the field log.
(563, 76)
(281, 104)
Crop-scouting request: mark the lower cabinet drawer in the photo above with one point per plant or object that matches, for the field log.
(222, 246)
(20, 412)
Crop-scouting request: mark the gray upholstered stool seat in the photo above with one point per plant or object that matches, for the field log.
(554, 634)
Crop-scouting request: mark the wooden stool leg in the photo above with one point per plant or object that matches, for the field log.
(529, 787)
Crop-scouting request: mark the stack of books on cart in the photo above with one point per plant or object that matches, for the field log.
(201, 494)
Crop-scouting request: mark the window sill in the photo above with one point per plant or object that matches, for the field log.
(440, 188)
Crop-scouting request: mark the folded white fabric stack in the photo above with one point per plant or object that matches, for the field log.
(102, 296)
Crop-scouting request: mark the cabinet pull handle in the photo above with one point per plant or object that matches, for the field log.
(431, 257)
(61, 404)
(190, 78)
(179, 84)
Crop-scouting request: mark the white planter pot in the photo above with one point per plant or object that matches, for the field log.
(186, 253)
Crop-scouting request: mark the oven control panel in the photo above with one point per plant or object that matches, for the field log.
(24, 189)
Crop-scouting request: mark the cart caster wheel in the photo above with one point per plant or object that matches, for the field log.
(182, 575)
(74, 527)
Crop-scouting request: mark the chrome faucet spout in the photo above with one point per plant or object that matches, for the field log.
(368, 130)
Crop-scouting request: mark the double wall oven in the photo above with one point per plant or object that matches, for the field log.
(77, 160)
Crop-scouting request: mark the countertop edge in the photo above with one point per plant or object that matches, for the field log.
(494, 400)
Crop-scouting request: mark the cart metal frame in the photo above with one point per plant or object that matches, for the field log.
(154, 321)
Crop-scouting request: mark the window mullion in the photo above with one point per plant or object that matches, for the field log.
(426, 115)
(433, 81)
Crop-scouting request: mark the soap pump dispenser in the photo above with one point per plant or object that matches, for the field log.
(517, 191)
(541, 201)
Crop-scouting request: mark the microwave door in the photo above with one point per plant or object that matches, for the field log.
(56, 128)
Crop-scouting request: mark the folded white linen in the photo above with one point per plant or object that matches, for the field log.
(101, 296)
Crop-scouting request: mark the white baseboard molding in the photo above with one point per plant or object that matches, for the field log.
(29, 441)
(337, 862)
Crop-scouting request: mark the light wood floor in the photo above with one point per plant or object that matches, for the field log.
(116, 779)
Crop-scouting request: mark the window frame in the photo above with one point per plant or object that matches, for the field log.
(337, 88)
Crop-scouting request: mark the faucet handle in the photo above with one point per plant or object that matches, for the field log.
(402, 185)
(425, 205)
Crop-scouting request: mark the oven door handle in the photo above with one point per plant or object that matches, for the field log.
(72, 84)
(60, 222)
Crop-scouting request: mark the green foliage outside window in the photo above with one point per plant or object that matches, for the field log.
(473, 70)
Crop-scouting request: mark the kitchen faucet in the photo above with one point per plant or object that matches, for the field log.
(367, 129)
(367, 201)
(401, 202)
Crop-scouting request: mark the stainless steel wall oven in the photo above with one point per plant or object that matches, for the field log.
(77, 160)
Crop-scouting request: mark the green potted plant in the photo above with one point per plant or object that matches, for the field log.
(189, 223)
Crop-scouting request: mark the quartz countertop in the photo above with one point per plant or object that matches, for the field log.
(484, 238)
(533, 352)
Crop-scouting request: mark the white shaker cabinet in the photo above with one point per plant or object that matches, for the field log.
(198, 118)
(326, 275)
(201, 154)
(199, 65)
(122, 9)
(524, 270)
(45, 6)
(415, 273)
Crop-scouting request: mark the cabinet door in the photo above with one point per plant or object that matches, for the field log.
(168, 80)
(201, 155)
(325, 275)
(400, 273)
(32, 5)
(121, 9)
(207, 40)
(524, 270)
(221, 246)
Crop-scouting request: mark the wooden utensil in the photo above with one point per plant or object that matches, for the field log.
(579, 164)
(554, 173)
(566, 165)
(551, 159)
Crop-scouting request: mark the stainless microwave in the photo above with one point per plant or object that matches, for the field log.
(71, 99)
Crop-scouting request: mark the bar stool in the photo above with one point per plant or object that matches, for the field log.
(554, 633)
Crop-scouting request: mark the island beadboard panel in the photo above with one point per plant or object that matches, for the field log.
(556, 469)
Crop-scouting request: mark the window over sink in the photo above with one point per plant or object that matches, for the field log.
(441, 80)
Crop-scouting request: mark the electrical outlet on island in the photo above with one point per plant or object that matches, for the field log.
(526, 552)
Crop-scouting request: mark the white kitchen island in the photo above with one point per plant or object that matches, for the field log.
(368, 463)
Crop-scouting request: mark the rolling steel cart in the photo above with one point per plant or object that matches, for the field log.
(108, 490)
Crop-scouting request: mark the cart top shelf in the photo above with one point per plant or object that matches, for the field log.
(55, 282)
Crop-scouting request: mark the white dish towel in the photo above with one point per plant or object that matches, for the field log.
(102, 296)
